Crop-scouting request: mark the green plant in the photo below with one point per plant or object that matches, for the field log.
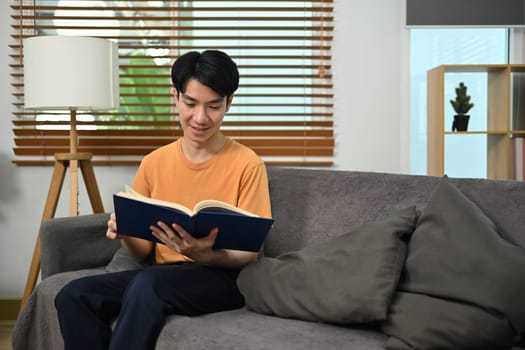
(462, 102)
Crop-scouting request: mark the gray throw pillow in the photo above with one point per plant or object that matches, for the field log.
(423, 322)
(462, 286)
(349, 279)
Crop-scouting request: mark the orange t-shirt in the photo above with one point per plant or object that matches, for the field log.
(235, 175)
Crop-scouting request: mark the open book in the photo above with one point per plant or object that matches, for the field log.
(238, 228)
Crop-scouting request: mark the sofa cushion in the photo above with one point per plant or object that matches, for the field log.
(419, 321)
(242, 329)
(463, 285)
(345, 280)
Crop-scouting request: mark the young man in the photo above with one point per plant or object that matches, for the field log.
(189, 277)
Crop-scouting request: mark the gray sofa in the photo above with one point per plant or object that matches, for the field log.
(313, 208)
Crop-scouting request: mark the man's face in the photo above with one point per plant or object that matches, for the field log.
(201, 111)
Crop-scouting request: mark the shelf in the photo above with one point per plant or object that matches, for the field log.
(490, 131)
(473, 68)
(498, 132)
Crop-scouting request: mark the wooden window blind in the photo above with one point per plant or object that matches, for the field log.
(283, 109)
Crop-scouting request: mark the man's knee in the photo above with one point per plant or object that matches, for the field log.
(70, 292)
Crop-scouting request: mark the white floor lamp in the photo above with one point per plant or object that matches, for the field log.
(76, 74)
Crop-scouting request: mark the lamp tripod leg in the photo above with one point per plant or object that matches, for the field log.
(62, 161)
(53, 195)
(91, 186)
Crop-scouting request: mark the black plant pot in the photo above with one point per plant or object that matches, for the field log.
(460, 122)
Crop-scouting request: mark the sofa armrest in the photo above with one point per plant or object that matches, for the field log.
(74, 243)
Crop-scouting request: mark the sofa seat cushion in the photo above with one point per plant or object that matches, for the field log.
(244, 330)
(349, 279)
(229, 330)
(462, 286)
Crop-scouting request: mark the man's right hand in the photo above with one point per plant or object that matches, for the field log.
(139, 248)
(111, 232)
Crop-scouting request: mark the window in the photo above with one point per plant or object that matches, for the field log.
(432, 47)
(283, 109)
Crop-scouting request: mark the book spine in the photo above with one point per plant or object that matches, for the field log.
(192, 222)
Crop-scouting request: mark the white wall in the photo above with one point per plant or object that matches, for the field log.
(371, 76)
(370, 69)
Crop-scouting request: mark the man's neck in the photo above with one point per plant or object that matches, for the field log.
(198, 152)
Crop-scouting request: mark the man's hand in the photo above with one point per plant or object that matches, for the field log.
(201, 250)
(178, 239)
(111, 232)
(139, 248)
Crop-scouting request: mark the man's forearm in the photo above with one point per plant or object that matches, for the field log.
(234, 259)
(136, 247)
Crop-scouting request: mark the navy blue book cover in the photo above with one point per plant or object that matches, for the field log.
(236, 231)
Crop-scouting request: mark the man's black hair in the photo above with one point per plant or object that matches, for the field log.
(212, 68)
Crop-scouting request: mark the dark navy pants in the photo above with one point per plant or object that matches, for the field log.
(142, 299)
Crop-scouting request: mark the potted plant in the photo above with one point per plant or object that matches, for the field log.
(461, 105)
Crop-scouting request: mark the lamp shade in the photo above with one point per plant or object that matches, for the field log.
(70, 72)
